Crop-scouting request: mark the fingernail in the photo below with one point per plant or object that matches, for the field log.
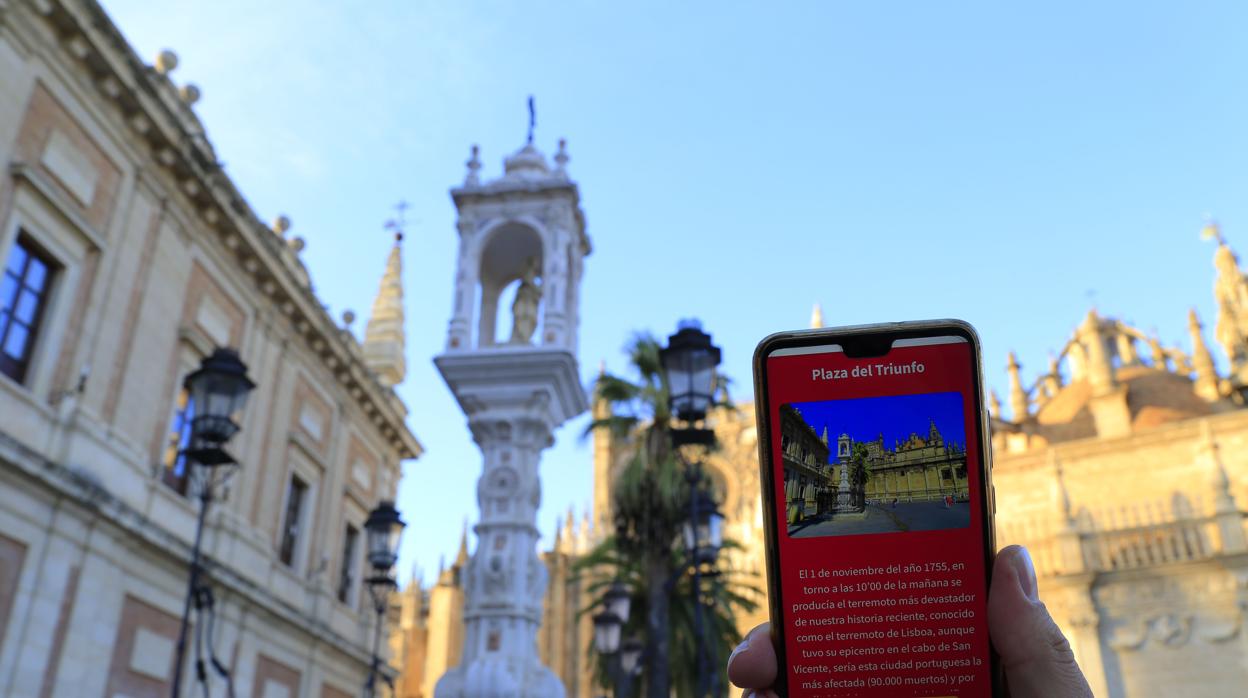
(1026, 572)
(745, 645)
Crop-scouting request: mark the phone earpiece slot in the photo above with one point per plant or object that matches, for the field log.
(866, 347)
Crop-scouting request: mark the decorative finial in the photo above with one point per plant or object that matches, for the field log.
(281, 225)
(816, 317)
(348, 317)
(532, 121)
(297, 244)
(1212, 231)
(474, 167)
(190, 94)
(1206, 384)
(1019, 408)
(561, 157)
(166, 62)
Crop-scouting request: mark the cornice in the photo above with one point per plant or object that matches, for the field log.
(148, 104)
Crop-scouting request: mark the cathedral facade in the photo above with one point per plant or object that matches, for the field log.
(126, 256)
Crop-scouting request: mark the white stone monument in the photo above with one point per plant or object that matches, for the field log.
(516, 388)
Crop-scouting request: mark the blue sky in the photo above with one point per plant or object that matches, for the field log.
(896, 417)
(1004, 163)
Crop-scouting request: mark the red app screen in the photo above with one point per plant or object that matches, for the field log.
(877, 485)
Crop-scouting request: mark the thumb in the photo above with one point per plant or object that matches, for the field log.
(1035, 655)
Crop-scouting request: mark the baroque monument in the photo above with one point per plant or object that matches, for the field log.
(527, 229)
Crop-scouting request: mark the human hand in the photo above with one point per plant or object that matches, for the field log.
(1035, 656)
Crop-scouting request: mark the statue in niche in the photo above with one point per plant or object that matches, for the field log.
(524, 308)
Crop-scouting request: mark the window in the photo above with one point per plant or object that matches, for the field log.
(176, 474)
(346, 577)
(23, 294)
(295, 495)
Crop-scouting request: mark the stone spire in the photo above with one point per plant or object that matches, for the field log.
(1226, 511)
(461, 558)
(1126, 347)
(994, 404)
(1100, 368)
(1157, 353)
(1018, 397)
(816, 317)
(1070, 557)
(1230, 290)
(384, 340)
(1202, 361)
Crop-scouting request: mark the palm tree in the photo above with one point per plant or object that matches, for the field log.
(650, 504)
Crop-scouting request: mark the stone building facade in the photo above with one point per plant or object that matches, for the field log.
(1123, 467)
(127, 256)
(809, 482)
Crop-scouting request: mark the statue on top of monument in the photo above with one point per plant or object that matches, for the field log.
(524, 307)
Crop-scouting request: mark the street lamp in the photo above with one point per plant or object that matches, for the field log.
(704, 535)
(630, 657)
(607, 627)
(689, 362)
(217, 392)
(704, 531)
(618, 600)
(383, 529)
(622, 659)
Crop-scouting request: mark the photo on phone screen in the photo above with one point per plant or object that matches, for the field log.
(880, 530)
(875, 465)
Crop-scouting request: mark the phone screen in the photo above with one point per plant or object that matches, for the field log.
(880, 521)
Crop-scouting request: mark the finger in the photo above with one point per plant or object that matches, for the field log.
(753, 663)
(1034, 653)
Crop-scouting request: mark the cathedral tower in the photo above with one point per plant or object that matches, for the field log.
(523, 231)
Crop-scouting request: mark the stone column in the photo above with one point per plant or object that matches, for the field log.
(514, 400)
(1082, 624)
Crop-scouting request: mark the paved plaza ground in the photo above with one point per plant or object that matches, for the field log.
(905, 516)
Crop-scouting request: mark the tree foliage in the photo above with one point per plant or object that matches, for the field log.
(650, 503)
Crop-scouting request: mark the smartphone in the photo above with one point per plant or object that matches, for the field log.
(878, 509)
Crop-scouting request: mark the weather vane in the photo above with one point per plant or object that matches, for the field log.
(532, 120)
(396, 224)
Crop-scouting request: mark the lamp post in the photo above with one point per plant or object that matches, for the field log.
(689, 361)
(703, 539)
(622, 659)
(383, 529)
(217, 392)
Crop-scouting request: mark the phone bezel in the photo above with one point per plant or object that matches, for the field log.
(874, 333)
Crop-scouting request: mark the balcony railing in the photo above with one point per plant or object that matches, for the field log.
(1148, 534)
